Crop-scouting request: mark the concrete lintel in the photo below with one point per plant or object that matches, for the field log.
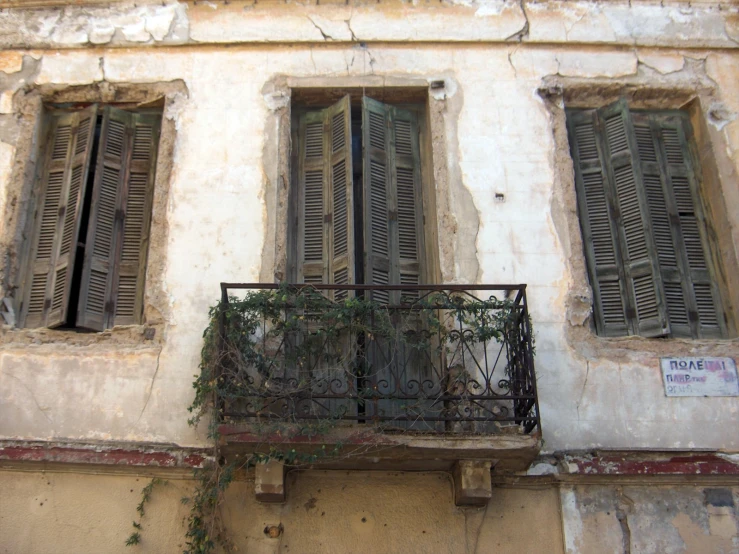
(269, 481)
(472, 486)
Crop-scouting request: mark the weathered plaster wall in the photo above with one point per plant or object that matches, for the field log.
(500, 137)
(640, 22)
(327, 512)
(650, 520)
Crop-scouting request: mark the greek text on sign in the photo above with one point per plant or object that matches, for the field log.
(700, 377)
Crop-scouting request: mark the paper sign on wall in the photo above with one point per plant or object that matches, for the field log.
(699, 377)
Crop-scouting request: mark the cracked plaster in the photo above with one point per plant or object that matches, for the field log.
(664, 62)
(643, 24)
(74, 26)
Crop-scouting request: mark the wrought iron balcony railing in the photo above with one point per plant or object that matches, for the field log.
(446, 358)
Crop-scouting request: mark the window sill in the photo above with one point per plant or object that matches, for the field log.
(118, 337)
(633, 349)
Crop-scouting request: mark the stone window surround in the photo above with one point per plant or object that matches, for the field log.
(29, 103)
(440, 179)
(701, 103)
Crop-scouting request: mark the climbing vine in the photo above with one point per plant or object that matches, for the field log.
(296, 361)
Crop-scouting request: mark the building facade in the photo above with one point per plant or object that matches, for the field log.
(150, 152)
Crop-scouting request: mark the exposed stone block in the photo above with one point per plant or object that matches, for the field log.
(472, 486)
(269, 481)
(11, 62)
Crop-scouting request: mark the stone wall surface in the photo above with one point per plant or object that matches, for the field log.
(650, 520)
(500, 137)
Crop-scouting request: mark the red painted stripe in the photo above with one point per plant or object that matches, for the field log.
(700, 464)
(174, 458)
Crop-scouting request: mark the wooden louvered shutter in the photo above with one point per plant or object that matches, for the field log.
(135, 200)
(596, 209)
(405, 178)
(393, 244)
(643, 279)
(376, 207)
(393, 208)
(115, 253)
(692, 297)
(326, 200)
(61, 194)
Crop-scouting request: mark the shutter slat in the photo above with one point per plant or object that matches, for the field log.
(62, 142)
(378, 209)
(641, 267)
(62, 191)
(48, 218)
(313, 232)
(595, 205)
(407, 214)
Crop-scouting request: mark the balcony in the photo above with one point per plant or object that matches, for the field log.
(403, 377)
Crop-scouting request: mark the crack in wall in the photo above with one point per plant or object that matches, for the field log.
(33, 396)
(151, 387)
(582, 391)
(324, 34)
(523, 33)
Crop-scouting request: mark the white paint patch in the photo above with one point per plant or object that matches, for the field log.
(70, 69)
(543, 469)
(571, 520)
(597, 64)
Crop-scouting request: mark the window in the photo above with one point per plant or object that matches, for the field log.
(359, 204)
(643, 225)
(86, 258)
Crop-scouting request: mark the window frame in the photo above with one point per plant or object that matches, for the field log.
(28, 105)
(120, 257)
(412, 99)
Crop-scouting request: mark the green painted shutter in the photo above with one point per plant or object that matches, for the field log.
(325, 244)
(393, 245)
(405, 177)
(692, 295)
(596, 209)
(377, 196)
(341, 195)
(393, 208)
(643, 279)
(325, 189)
(136, 198)
(61, 194)
(115, 253)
